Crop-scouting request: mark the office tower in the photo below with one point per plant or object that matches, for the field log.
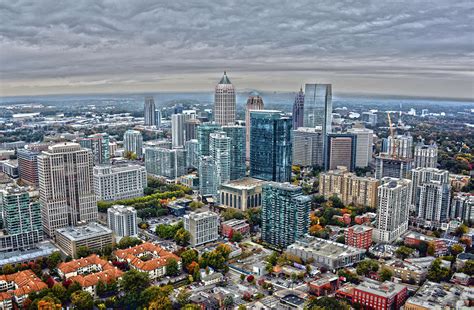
(224, 102)
(270, 146)
(158, 118)
(308, 147)
(254, 102)
(116, 182)
(400, 146)
(422, 176)
(21, 220)
(219, 149)
(190, 128)
(99, 145)
(203, 227)
(298, 110)
(150, 114)
(28, 165)
(364, 146)
(387, 166)
(341, 151)
(165, 162)
(237, 150)
(285, 213)
(177, 130)
(122, 221)
(393, 209)
(426, 156)
(192, 153)
(66, 186)
(203, 132)
(369, 118)
(133, 142)
(207, 176)
(318, 106)
(358, 236)
(351, 189)
(462, 207)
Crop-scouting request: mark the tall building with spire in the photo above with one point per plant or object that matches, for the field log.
(298, 110)
(150, 114)
(254, 102)
(224, 102)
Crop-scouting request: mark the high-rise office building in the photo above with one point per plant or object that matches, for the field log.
(308, 147)
(224, 102)
(203, 227)
(21, 220)
(363, 146)
(192, 153)
(203, 132)
(133, 142)
(207, 176)
(254, 102)
(165, 162)
(419, 176)
(28, 165)
(99, 145)
(340, 151)
(116, 182)
(426, 156)
(393, 167)
(285, 213)
(158, 118)
(462, 207)
(237, 150)
(150, 112)
(219, 149)
(318, 106)
(190, 128)
(122, 221)
(177, 130)
(298, 110)
(393, 209)
(270, 146)
(400, 146)
(66, 186)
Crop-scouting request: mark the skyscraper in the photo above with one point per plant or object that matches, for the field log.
(393, 167)
(203, 132)
(177, 130)
(133, 142)
(122, 221)
(363, 146)
(318, 106)
(192, 153)
(165, 162)
(400, 146)
(158, 118)
(254, 102)
(99, 144)
(298, 110)
(28, 165)
(435, 180)
(219, 149)
(393, 209)
(150, 114)
(270, 146)
(285, 213)
(207, 176)
(462, 207)
(224, 102)
(66, 187)
(190, 128)
(341, 148)
(237, 150)
(308, 147)
(426, 156)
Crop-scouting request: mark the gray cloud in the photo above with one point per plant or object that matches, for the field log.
(62, 46)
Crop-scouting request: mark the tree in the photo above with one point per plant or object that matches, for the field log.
(127, 242)
(47, 302)
(182, 237)
(133, 283)
(191, 307)
(327, 303)
(404, 252)
(461, 230)
(60, 292)
(172, 267)
(183, 297)
(366, 266)
(242, 277)
(83, 251)
(53, 260)
(101, 288)
(236, 237)
(431, 249)
(157, 297)
(72, 288)
(468, 267)
(250, 278)
(8, 269)
(189, 256)
(273, 258)
(437, 273)
(130, 155)
(457, 249)
(228, 301)
(82, 300)
(385, 274)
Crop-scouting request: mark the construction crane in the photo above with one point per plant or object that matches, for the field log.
(392, 134)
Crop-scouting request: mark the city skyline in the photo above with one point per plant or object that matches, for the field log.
(412, 49)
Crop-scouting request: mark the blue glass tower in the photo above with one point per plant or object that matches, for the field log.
(237, 150)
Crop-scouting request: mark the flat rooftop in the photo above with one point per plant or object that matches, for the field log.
(439, 296)
(386, 289)
(325, 248)
(76, 233)
(244, 183)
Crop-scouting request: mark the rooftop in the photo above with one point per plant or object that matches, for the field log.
(159, 258)
(26, 282)
(200, 215)
(325, 248)
(244, 183)
(386, 289)
(441, 295)
(76, 233)
(225, 79)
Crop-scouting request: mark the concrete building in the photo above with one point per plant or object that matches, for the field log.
(237, 151)
(177, 130)
(116, 182)
(167, 163)
(241, 194)
(341, 151)
(208, 176)
(348, 187)
(406, 271)
(285, 213)
(254, 102)
(224, 102)
(387, 166)
(374, 295)
(203, 227)
(462, 207)
(393, 209)
(298, 110)
(99, 144)
(28, 165)
(150, 112)
(369, 118)
(93, 235)
(358, 236)
(203, 132)
(133, 142)
(439, 296)
(426, 156)
(325, 253)
(122, 221)
(400, 146)
(270, 146)
(308, 147)
(66, 186)
(192, 153)
(219, 149)
(364, 146)
(190, 129)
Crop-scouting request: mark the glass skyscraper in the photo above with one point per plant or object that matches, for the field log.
(270, 146)
(298, 110)
(203, 132)
(237, 150)
(207, 176)
(219, 149)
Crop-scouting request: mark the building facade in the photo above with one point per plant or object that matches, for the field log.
(224, 102)
(192, 153)
(177, 130)
(426, 156)
(133, 142)
(167, 163)
(462, 207)
(28, 165)
(220, 152)
(308, 147)
(392, 167)
(364, 146)
(203, 227)
(99, 144)
(208, 176)
(94, 236)
(358, 236)
(203, 133)
(149, 111)
(254, 102)
(241, 194)
(237, 151)
(341, 151)
(298, 110)
(116, 182)
(122, 221)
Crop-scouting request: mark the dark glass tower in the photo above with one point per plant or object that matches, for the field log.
(298, 110)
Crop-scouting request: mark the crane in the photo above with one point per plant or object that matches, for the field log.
(392, 134)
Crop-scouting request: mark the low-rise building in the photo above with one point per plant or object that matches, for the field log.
(94, 236)
(15, 288)
(203, 227)
(230, 227)
(406, 271)
(242, 194)
(440, 296)
(213, 278)
(325, 285)
(414, 239)
(372, 294)
(358, 236)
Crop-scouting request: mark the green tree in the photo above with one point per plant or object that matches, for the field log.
(189, 256)
(127, 242)
(461, 230)
(83, 251)
(182, 237)
(404, 252)
(228, 301)
(8, 269)
(60, 292)
(101, 288)
(130, 155)
(366, 266)
(385, 274)
(82, 300)
(236, 237)
(172, 267)
(133, 284)
(456, 249)
(72, 288)
(327, 303)
(191, 307)
(183, 297)
(437, 273)
(157, 297)
(53, 260)
(468, 267)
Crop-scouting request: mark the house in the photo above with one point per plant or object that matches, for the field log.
(16, 288)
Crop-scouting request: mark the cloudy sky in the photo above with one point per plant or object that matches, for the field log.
(423, 48)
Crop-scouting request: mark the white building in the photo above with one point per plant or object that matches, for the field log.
(308, 147)
(167, 163)
(462, 207)
(133, 142)
(224, 102)
(363, 145)
(177, 130)
(400, 146)
(119, 182)
(393, 209)
(122, 221)
(426, 156)
(203, 227)
(219, 149)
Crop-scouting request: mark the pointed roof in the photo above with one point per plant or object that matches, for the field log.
(225, 79)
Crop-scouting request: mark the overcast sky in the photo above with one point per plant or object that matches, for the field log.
(411, 47)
